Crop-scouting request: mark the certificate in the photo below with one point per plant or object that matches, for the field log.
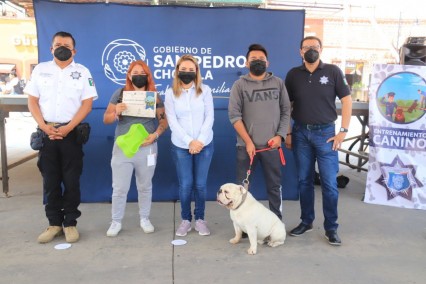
(139, 103)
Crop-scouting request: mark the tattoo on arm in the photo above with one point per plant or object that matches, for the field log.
(161, 116)
(162, 122)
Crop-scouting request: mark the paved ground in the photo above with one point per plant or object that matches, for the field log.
(380, 244)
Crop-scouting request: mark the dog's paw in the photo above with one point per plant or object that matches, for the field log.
(275, 244)
(234, 240)
(252, 251)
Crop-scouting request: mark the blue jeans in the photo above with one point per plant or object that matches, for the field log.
(310, 146)
(192, 172)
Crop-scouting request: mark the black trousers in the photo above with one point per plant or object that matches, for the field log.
(271, 165)
(61, 164)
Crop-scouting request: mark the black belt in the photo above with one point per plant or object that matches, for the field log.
(315, 126)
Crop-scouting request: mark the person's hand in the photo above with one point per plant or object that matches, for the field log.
(119, 108)
(337, 140)
(51, 132)
(195, 147)
(251, 150)
(64, 130)
(275, 142)
(149, 140)
(288, 142)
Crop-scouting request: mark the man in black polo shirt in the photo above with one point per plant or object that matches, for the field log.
(313, 88)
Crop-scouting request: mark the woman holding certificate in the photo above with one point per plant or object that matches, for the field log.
(124, 108)
(190, 113)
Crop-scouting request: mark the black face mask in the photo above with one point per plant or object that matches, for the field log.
(186, 77)
(311, 55)
(258, 67)
(62, 53)
(140, 81)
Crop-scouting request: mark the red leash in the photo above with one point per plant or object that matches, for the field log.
(280, 151)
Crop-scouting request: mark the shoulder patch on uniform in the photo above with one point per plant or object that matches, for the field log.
(91, 82)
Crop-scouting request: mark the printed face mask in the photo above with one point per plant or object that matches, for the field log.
(62, 53)
(311, 55)
(186, 77)
(140, 81)
(257, 67)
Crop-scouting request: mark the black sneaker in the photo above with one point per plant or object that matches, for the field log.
(333, 238)
(301, 229)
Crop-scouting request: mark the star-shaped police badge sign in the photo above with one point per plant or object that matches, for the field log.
(75, 75)
(323, 80)
(398, 179)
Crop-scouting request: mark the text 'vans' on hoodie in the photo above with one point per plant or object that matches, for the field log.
(262, 105)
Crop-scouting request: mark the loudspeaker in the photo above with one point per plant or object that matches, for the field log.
(413, 52)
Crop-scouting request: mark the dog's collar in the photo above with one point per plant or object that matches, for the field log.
(242, 201)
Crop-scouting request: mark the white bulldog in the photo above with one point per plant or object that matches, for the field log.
(252, 217)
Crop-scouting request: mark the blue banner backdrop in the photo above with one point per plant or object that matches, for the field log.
(110, 36)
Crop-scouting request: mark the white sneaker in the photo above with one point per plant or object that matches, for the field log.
(114, 229)
(146, 226)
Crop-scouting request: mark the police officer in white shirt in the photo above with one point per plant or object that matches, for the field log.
(60, 95)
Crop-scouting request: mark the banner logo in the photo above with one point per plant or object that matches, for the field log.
(401, 97)
(118, 55)
(398, 179)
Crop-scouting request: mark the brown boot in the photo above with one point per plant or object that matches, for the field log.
(71, 234)
(50, 233)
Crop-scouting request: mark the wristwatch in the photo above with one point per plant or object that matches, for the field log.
(342, 129)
